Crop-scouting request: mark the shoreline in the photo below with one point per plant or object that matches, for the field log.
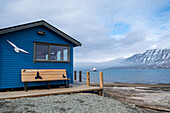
(112, 84)
(152, 97)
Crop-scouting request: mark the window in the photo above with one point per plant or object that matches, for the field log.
(47, 52)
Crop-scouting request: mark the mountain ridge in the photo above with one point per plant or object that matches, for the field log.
(155, 58)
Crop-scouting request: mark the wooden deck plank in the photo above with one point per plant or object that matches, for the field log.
(45, 92)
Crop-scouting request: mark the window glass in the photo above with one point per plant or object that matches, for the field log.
(58, 53)
(51, 52)
(41, 52)
(65, 54)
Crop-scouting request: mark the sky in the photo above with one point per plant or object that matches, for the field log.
(107, 29)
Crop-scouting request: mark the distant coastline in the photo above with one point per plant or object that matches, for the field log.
(119, 68)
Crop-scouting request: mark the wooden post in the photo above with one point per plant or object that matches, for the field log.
(80, 78)
(88, 78)
(75, 75)
(101, 93)
(101, 79)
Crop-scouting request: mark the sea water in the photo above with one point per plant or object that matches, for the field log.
(143, 76)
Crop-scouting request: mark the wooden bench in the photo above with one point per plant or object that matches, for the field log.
(46, 75)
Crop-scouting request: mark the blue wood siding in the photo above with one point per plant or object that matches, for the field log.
(11, 62)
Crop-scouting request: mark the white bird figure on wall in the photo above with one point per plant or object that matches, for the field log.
(16, 48)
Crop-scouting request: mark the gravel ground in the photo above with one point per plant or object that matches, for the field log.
(145, 97)
(75, 103)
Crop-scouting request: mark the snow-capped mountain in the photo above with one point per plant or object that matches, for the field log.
(151, 59)
(156, 58)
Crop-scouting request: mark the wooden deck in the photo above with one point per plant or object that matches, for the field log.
(45, 92)
(77, 87)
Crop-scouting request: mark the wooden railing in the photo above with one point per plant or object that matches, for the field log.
(88, 80)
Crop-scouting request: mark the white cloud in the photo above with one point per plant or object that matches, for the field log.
(93, 23)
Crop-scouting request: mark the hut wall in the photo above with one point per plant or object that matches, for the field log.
(11, 62)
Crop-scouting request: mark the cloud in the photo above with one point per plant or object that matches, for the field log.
(107, 29)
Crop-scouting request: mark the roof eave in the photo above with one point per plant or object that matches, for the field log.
(39, 23)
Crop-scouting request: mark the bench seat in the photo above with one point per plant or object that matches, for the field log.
(46, 75)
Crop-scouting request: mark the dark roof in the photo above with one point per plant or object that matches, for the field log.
(40, 23)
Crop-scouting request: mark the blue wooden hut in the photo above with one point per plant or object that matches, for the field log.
(36, 45)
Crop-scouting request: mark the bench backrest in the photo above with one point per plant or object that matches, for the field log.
(31, 75)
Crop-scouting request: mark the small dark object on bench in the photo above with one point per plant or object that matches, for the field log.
(38, 76)
(64, 76)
